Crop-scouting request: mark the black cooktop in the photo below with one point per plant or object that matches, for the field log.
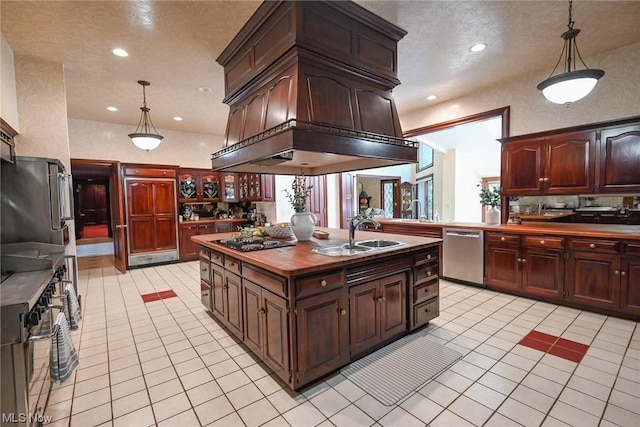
(253, 243)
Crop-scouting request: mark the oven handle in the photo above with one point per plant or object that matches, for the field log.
(56, 327)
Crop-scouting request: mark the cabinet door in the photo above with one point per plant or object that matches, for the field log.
(268, 187)
(275, 333)
(593, 279)
(210, 186)
(234, 303)
(188, 249)
(230, 187)
(393, 315)
(187, 186)
(522, 167)
(543, 272)
(502, 267)
(243, 186)
(222, 227)
(619, 160)
(253, 310)
(569, 163)
(363, 312)
(219, 293)
(322, 335)
(630, 281)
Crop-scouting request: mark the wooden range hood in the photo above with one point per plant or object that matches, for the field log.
(309, 89)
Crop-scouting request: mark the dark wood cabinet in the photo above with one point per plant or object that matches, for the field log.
(593, 279)
(227, 296)
(377, 311)
(543, 271)
(219, 306)
(249, 187)
(266, 326)
(557, 164)
(188, 248)
(619, 160)
(268, 187)
(630, 284)
(322, 325)
(198, 185)
(229, 187)
(502, 261)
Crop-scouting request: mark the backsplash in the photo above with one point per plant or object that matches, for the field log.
(572, 202)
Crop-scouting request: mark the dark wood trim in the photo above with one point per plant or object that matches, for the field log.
(504, 112)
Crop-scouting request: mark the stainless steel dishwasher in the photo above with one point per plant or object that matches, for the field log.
(463, 255)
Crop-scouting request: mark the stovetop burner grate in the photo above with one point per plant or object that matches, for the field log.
(253, 244)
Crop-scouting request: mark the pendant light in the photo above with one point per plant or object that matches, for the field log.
(143, 137)
(572, 85)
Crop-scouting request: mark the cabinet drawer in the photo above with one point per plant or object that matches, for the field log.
(311, 285)
(205, 271)
(204, 252)
(265, 279)
(426, 311)
(544, 241)
(502, 238)
(605, 246)
(217, 257)
(150, 172)
(425, 292)
(232, 264)
(206, 228)
(428, 256)
(426, 272)
(632, 248)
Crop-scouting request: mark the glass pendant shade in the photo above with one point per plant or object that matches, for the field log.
(145, 136)
(572, 85)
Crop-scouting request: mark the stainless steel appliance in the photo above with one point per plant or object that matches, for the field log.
(31, 290)
(463, 255)
(37, 201)
(253, 244)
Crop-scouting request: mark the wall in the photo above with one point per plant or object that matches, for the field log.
(108, 141)
(9, 99)
(615, 96)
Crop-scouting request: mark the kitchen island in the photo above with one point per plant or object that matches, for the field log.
(587, 266)
(307, 314)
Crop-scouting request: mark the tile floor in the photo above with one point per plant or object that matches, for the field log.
(167, 363)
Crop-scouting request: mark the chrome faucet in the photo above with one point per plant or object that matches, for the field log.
(423, 216)
(355, 222)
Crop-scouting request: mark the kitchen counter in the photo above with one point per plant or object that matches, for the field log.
(614, 231)
(298, 259)
(210, 220)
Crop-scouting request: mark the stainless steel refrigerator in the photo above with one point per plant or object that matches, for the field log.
(37, 202)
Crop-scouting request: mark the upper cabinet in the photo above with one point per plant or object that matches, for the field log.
(573, 161)
(198, 185)
(619, 160)
(229, 187)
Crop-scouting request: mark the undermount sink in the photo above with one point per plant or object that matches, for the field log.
(342, 250)
(379, 243)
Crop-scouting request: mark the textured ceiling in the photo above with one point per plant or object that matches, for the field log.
(173, 44)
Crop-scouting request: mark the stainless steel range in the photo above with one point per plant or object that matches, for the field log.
(34, 274)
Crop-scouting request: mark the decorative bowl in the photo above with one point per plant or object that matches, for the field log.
(559, 205)
(280, 232)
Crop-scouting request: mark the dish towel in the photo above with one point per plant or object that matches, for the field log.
(64, 357)
(71, 307)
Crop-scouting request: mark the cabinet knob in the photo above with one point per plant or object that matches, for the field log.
(426, 290)
(426, 310)
(541, 179)
(428, 273)
(623, 273)
(323, 283)
(592, 246)
(524, 260)
(503, 238)
(519, 259)
(429, 256)
(542, 242)
(546, 179)
(262, 310)
(343, 312)
(616, 272)
(380, 299)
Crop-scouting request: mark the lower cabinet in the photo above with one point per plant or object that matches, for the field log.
(227, 298)
(266, 326)
(188, 248)
(591, 279)
(377, 311)
(630, 284)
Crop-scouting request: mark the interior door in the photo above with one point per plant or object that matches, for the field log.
(317, 202)
(390, 192)
(347, 206)
(118, 222)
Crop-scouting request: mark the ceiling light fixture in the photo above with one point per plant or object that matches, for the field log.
(431, 97)
(177, 118)
(204, 89)
(572, 85)
(478, 47)
(143, 137)
(120, 52)
(112, 109)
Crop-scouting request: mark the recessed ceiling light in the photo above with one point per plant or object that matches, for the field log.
(431, 97)
(478, 47)
(120, 52)
(204, 89)
(177, 118)
(112, 109)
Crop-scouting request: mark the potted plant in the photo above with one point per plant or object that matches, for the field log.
(491, 197)
(303, 223)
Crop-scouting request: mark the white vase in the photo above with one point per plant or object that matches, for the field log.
(303, 225)
(492, 216)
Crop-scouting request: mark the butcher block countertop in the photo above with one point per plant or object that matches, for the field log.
(297, 260)
(610, 231)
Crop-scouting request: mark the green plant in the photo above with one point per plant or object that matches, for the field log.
(489, 196)
(301, 191)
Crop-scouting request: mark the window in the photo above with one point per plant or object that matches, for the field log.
(425, 156)
(425, 195)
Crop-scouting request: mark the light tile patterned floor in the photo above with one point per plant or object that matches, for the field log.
(168, 363)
